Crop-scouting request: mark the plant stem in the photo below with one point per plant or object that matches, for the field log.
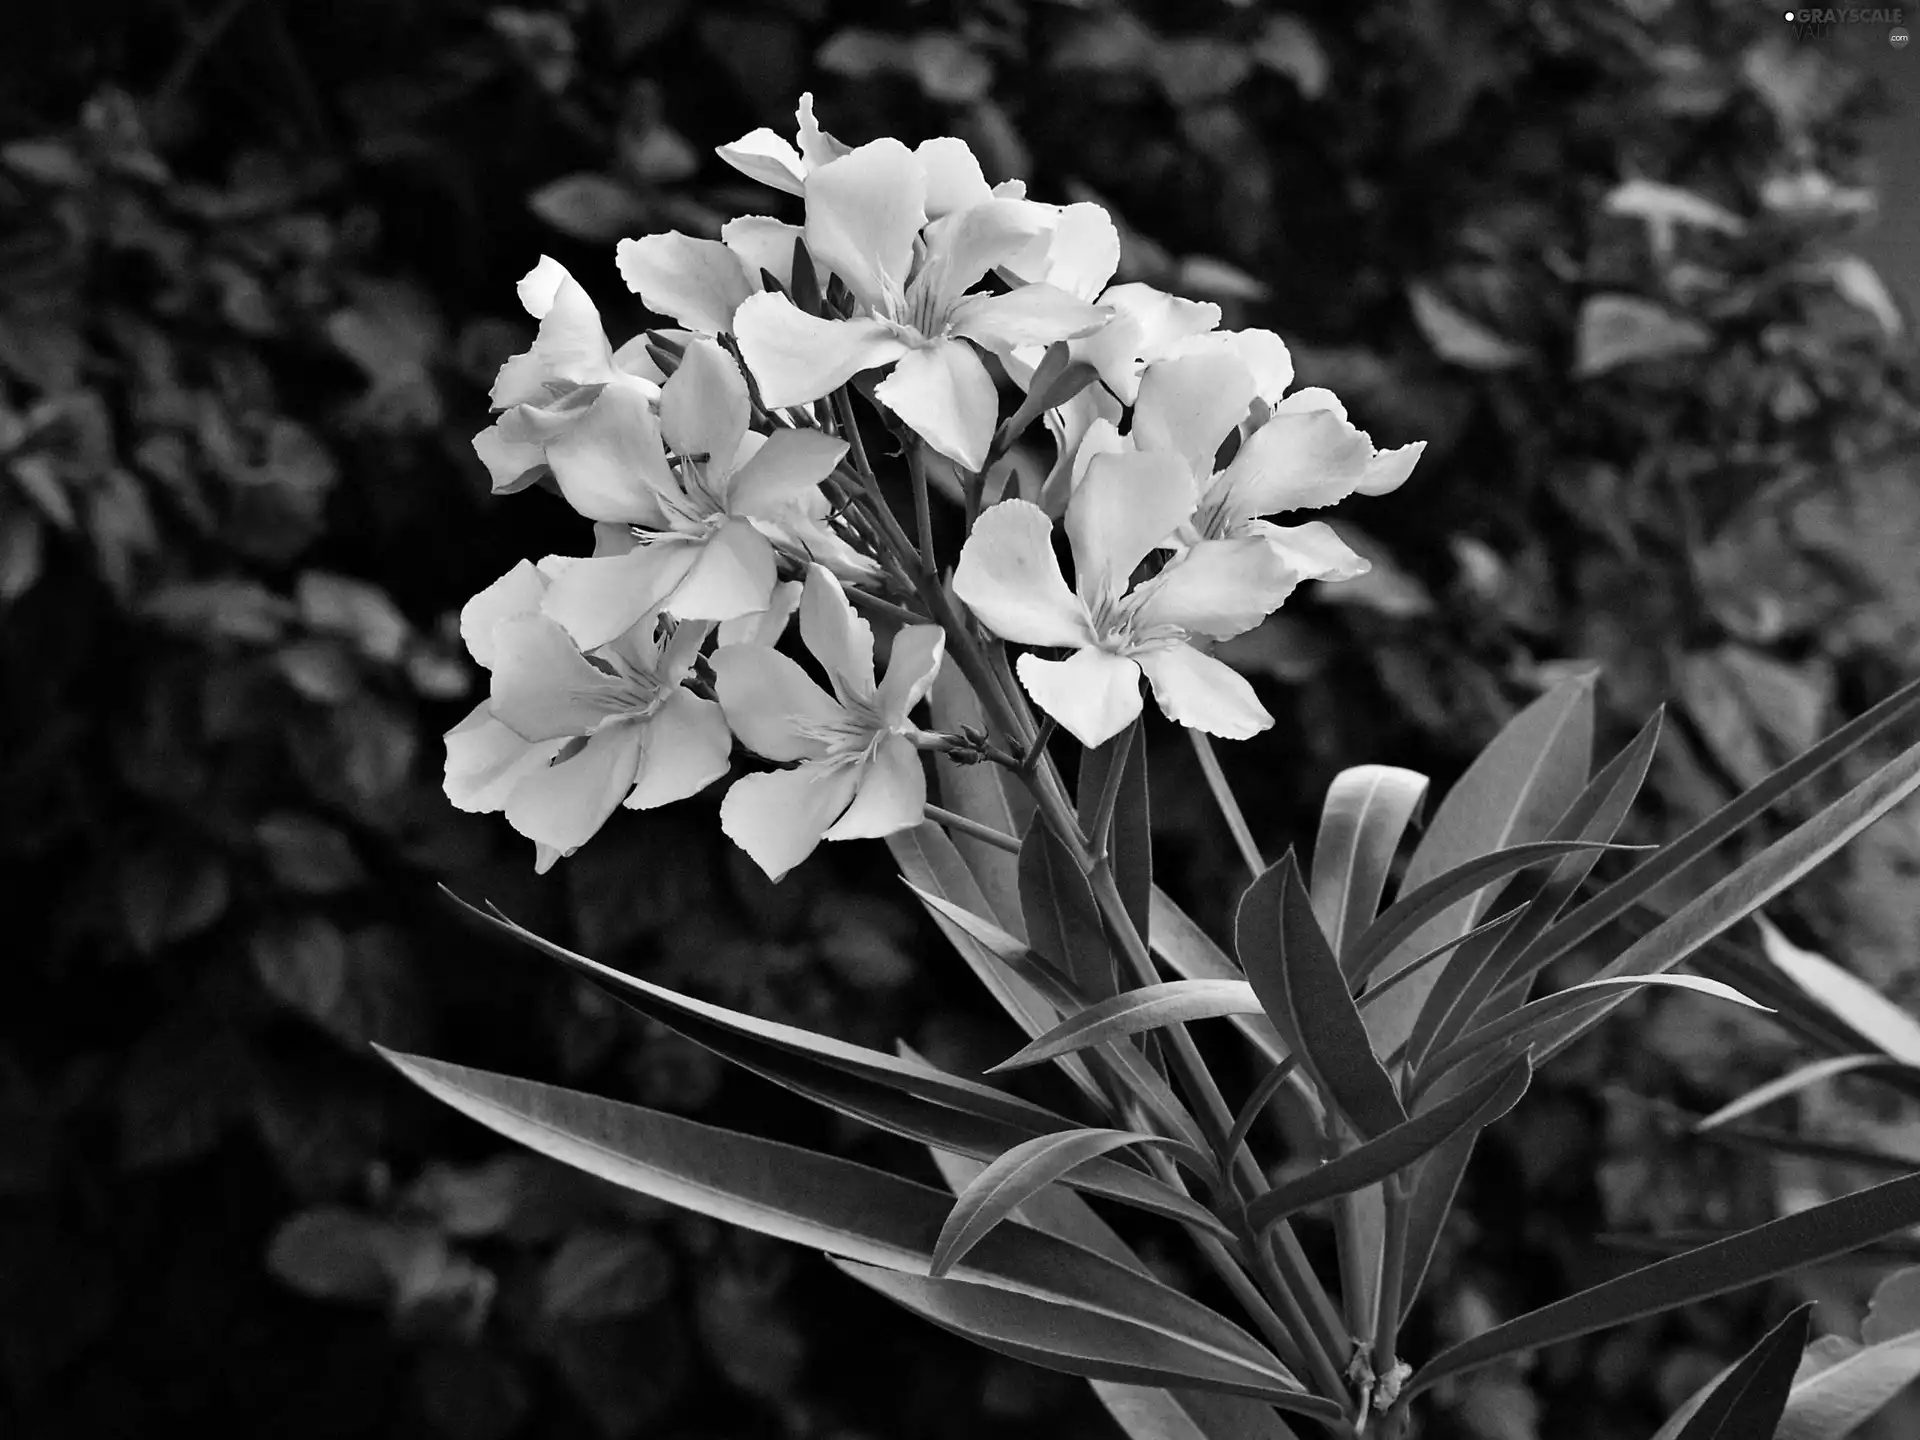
(1229, 806)
(922, 507)
(1393, 1264)
(974, 828)
(1326, 1375)
(1100, 832)
(885, 609)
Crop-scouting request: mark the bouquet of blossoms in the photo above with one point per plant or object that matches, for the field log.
(835, 393)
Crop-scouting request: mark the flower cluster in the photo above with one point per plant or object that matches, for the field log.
(723, 469)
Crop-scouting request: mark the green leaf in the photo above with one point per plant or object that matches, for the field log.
(1477, 973)
(1703, 839)
(1835, 1401)
(1791, 1243)
(1063, 919)
(1475, 1107)
(979, 792)
(1745, 1403)
(1790, 1083)
(1427, 1212)
(1393, 936)
(1186, 949)
(1294, 972)
(1752, 885)
(1130, 847)
(819, 1201)
(1016, 1176)
(1368, 809)
(1173, 1002)
(1045, 1332)
(1862, 1009)
(1512, 794)
(1151, 1413)
(905, 1097)
(1518, 1027)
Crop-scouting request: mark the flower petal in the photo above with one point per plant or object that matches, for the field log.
(686, 749)
(514, 459)
(609, 464)
(699, 283)
(837, 637)
(954, 177)
(964, 246)
(732, 575)
(1074, 426)
(1264, 354)
(817, 147)
(772, 704)
(762, 243)
(1127, 505)
(945, 395)
(1201, 693)
(563, 806)
(1313, 551)
(1218, 588)
(703, 408)
(518, 592)
(864, 212)
(1296, 461)
(1030, 315)
(1010, 578)
(911, 668)
(486, 759)
(1094, 694)
(1389, 469)
(1188, 406)
(762, 155)
(600, 599)
(770, 624)
(783, 472)
(798, 357)
(779, 817)
(1080, 255)
(892, 794)
(571, 346)
(545, 689)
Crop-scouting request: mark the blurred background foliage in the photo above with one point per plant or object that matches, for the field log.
(256, 272)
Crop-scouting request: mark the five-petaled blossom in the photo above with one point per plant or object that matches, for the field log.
(705, 522)
(564, 737)
(878, 218)
(859, 774)
(1127, 506)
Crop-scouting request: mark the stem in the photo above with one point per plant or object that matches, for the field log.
(1100, 832)
(1229, 807)
(1263, 1093)
(1320, 1364)
(922, 507)
(974, 828)
(885, 609)
(1393, 1264)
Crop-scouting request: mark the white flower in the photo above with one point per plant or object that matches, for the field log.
(858, 774)
(1127, 506)
(714, 514)
(701, 283)
(866, 212)
(563, 738)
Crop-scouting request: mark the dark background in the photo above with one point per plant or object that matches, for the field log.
(256, 272)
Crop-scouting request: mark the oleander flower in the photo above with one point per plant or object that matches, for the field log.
(563, 738)
(1127, 506)
(707, 521)
(572, 404)
(858, 773)
(701, 283)
(877, 218)
(764, 156)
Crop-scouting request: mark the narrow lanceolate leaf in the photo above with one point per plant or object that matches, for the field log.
(1063, 919)
(1186, 949)
(902, 1096)
(1105, 1347)
(1150, 1413)
(1295, 974)
(1751, 886)
(819, 1201)
(1864, 1010)
(1368, 809)
(978, 792)
(1807, 1237)
(1013, 1178)
(1833, 1402)
(1175, 1002)
(1130, 845)
(1479, 971)
(1475, 1107)
(1513, 793)
(1677, 856)
(1791, 1083)
(1433, 1197)
(1520, 1027)
(1402, 928)
(1745, 1403)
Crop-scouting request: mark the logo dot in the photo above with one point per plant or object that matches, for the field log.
(1789, 17)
